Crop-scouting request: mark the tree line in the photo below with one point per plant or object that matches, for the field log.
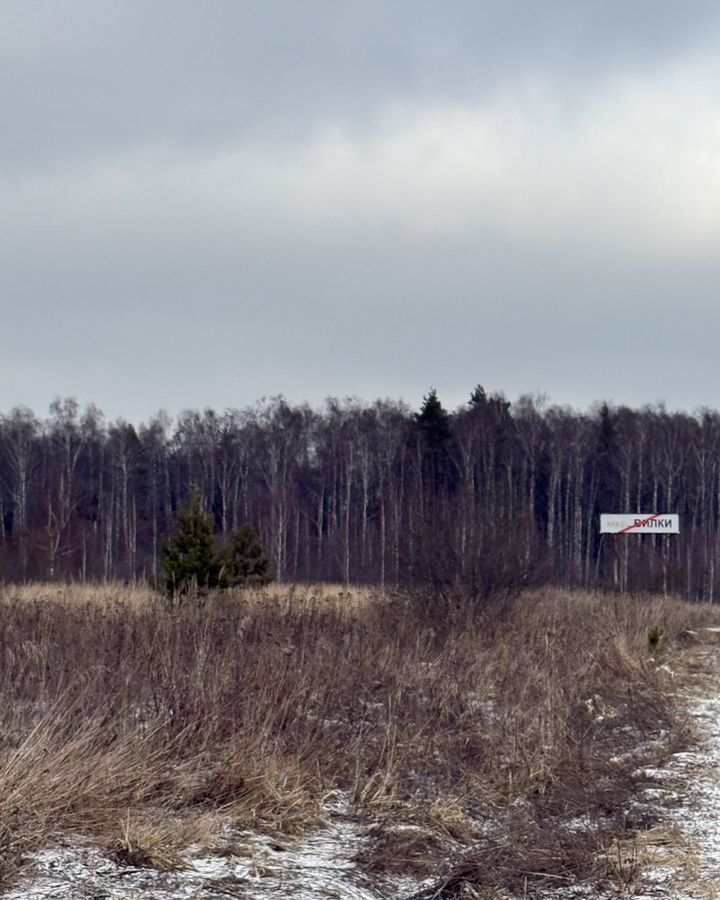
(489, 495)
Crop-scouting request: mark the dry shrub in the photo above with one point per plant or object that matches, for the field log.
(527, 860)
(255, 707)
(147, 845)
(405, 850)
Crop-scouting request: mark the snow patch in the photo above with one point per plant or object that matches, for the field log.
(319, 867)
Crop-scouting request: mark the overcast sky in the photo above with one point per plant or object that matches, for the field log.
(205, 203)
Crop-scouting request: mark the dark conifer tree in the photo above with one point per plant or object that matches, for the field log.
(190, 559)
(607, 471)
(605, 476)
(247, 564)
(432, 426)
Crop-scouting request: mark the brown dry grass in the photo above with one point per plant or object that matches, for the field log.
(132, 722)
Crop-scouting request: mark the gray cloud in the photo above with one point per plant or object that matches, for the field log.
(82, 78)
(202, 204)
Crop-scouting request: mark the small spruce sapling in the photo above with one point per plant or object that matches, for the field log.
(654, 639)
(245, 561)
(190, 559)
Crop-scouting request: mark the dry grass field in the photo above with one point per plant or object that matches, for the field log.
(492, 749)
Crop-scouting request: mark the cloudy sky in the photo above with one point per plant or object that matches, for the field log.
(205, 203)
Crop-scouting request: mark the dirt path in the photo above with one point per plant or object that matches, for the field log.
(686, 864)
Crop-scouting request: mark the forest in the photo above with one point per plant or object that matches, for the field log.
(490, 496)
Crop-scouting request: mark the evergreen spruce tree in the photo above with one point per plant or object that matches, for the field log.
(433, 422)
(478, 397)
(494, 406)
(432, 425)
(608, 497)
(246, 562)
(190, 559)
(607, 453)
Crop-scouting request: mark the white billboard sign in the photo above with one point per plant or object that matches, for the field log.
(639, 523)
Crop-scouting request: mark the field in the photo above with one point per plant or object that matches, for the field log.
(497, 750)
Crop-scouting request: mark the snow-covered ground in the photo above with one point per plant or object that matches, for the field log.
(680, 858)
(318, 867)
(688, 791)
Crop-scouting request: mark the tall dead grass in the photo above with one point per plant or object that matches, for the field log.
(118, 712)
